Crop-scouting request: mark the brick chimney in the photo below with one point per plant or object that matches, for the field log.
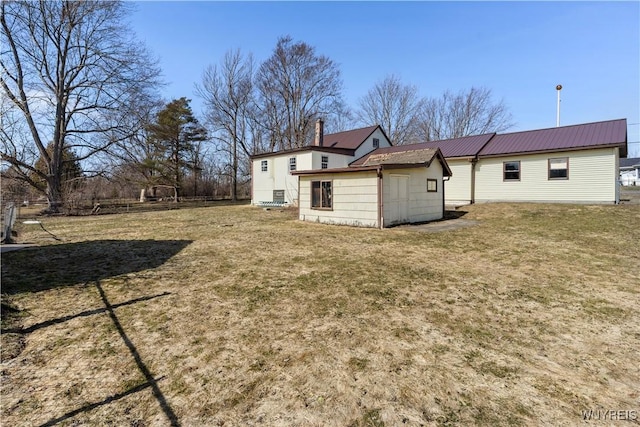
(318, 141)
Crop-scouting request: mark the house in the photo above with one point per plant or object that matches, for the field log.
(630, 171)
(272, 180)
(359, 178)
(381, 190)
(569, 164)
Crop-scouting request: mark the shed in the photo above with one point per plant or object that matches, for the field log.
(383, 190)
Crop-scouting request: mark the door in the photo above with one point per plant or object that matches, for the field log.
(399, 199)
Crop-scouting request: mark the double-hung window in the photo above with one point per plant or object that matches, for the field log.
(292, 163)
(263, 165)
(376, 143)
(511, 171)
(559, 168)
(321, 195)
(325, 162)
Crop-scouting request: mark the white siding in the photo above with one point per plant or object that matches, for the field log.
(335, 160)
(367, 146)
(458, 187)
(592, 178)
(278, 176)
(355, 199)
(423, 205)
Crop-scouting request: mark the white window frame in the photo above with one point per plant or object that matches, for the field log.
(558, 160)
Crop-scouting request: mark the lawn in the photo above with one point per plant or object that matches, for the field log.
(233, 315)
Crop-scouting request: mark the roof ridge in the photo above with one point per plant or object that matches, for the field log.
(352, 130)
(561, 127)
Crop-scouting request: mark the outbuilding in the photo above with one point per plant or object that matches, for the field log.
(382, 190)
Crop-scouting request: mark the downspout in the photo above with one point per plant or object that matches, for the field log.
(444, 207)
(380, 199)
(474, 161)
(298, 201)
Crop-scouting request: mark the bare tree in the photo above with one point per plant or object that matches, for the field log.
(228, 93)
(68, 68)
(471, 112)
(296, 86)
(394, 106)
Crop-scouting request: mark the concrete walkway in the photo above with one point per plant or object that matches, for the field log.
(437, 226)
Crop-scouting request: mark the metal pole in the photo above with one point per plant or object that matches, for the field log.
(558, 88)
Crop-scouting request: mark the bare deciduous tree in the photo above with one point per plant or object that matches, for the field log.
(68, 68)
(228, 94)
(471, 112)
(394, 106)
(296, 86)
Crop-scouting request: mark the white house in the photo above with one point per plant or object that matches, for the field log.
(569, 164)
(272, 179)
(630, 171)
(358, 178)
(381, 190)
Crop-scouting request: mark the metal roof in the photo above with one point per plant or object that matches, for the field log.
(467, 146)
(350, 139)
(589, 135)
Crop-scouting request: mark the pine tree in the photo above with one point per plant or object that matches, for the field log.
(175, 133)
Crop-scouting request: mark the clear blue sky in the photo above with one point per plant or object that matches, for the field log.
(519, 50)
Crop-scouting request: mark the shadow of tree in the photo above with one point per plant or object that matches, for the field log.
(47, 267)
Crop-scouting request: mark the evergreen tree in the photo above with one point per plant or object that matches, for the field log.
(176, 133)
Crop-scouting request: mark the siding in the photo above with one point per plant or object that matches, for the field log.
(335, 161)
(278, 177)
(458, 187)
(355, 199)
(367, 146)
(423, 205)
(592, 178)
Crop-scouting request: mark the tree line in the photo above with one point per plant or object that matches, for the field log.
(81, 113)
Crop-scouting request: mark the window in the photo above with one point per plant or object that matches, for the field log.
(325, 162)
(559, 168)
(263, 165)
(376, 143)
(292, 163)
(511, 171)
(321, 197)
(432, 185)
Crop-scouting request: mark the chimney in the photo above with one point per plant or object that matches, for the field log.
(319, 133)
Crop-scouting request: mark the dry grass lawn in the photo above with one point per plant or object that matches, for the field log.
(236, 316)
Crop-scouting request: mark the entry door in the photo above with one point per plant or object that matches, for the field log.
(399, 196)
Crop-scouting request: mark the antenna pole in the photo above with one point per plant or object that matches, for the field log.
(558, 88)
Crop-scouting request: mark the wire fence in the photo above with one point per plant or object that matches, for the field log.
(33, 208)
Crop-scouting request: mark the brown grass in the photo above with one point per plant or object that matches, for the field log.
(239, 316)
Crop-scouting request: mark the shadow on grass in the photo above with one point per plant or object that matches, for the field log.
(48, 267)
(151, 381)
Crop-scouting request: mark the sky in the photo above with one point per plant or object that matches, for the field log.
(518, 50)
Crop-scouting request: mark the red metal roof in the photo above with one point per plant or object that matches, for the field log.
(607, 133)
(467, 146)
(350, 139)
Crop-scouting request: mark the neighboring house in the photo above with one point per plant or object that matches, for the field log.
(381, 190)
(272, 180)
(630, 171)
(570, 164)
